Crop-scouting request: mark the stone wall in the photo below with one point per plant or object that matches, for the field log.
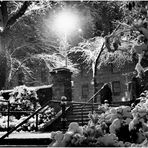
(82, 88)
(105, 75)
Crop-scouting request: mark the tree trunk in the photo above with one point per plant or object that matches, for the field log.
(3, 62)
(95, 83)
(95, 73)
(5, 23)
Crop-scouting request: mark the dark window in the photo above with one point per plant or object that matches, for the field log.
(114, 69)
(20, 78)
(83, 71)
(43, 75)
(85, 91)
(99, 85)
(116, 88)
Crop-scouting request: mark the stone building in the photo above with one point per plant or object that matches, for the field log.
(82, 84)
(117, 78)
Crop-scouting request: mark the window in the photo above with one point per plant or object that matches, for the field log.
(43, 75)
(85, 91)
(99, 85)
(83, 71)
(129, 86)
(114, 69)
(20, 78)
(116, 88)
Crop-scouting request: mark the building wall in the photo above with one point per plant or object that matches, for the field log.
(83, 87)
(41, 75)
(82, 82)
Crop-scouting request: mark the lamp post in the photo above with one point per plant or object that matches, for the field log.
(65, 22)
(65, 42)
(63, 106)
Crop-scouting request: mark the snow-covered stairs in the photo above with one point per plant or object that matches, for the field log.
(75, 113)
(80, 113)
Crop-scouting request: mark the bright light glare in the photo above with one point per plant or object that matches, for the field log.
(123, 99)
(65, 22)
(80, 30)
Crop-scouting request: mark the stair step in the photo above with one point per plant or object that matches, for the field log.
(85, 104)
(32, 141)
(76, 120)
(86, 109)
(72, 118)
(80, 123)
(78, 116)
(74, 115)
(24, 146)
(27, 138)
(84, 112)
(77, 113)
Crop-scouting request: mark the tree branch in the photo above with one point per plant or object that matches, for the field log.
(18, 14)
(20, 66)
(4, 12)
(97, 59)
(107, 38)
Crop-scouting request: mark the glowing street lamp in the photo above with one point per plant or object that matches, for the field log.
(65, 23)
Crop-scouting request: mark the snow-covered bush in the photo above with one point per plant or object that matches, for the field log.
(25, 99)
(121, 126)
(30, 125)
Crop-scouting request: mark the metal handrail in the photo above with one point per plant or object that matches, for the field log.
(20, 124)
(8, 112)
(89, 103)
(33, 114)
(92, 98)
(84, 103)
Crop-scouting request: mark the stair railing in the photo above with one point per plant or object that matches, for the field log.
(92, 98)
(20, 124)
(8, 112)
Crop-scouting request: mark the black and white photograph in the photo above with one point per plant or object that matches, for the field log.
(73, 73)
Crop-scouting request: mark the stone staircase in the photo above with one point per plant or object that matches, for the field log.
(73, 114)
(80, 114)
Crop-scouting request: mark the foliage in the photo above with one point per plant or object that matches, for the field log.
(118, 58)
(23, 97)
(30, 125)
(21, 27)
(31, 33)
(33, 43)
(98, 16)
(124, 44)
(121, 126)
(109, 12)
(89, 50)
(23, 101)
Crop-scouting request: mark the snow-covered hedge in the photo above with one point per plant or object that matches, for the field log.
(122, 126)
(30, 125)
(25, 99)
